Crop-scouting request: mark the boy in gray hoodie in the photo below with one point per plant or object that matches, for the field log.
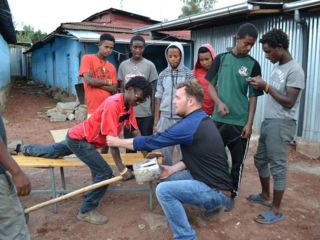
(169, 78)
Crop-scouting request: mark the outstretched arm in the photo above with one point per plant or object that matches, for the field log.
(118, 142)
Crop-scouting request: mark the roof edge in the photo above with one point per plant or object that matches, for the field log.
(237, 8)
(300, 5)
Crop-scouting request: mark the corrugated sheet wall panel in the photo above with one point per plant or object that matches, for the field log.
(311, 126)
(222, 38)
(17, 62)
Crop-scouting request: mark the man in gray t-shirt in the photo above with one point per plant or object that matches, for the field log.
(279, 126)
(139, 66)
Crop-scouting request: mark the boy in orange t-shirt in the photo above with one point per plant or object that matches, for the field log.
(99, 75)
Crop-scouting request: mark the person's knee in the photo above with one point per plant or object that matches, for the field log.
(262, 167)
(105, 173)
(161, 191)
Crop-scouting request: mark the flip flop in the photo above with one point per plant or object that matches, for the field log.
(257, 198)
(268, 217)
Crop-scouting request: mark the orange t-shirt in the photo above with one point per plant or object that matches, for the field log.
(99, 69)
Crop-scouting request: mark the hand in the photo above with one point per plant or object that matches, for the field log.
(154, 155)
(247, 131)
(113, 89)
(157, 155)
(222, 109)
(166, 171)
(128, 175)
(257, 82)
(22, 183)
(113, 141)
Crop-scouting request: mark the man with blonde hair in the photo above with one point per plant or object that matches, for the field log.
(201, 178)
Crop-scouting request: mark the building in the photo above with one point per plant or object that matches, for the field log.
(7, 36)
(56, 58)
(299, 19)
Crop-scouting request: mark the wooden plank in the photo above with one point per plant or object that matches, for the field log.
(27, 161)
(59, 135)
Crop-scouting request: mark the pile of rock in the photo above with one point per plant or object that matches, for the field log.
(67, 111)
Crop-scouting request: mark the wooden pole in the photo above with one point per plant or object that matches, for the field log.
(74, 193)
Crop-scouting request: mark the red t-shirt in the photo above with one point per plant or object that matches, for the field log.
(99, 69)
(108, 119)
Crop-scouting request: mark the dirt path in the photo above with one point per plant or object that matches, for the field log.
(129, 215)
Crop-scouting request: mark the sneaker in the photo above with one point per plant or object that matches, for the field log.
(229, 205)
(15, 146)
(212, 213)
(92, 217)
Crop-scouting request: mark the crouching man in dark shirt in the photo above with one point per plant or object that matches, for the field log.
(201, 178)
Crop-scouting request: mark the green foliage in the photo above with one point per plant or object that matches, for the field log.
(28, 34)
(196, 6)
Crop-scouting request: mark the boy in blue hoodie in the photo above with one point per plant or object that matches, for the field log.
(169, 78)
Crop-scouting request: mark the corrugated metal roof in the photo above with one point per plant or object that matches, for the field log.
(232, 14)
(89, 36)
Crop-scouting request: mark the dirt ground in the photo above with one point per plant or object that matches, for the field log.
(129, 214)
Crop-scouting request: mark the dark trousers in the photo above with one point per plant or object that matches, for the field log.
(145, 125)
(238, 147)
(87, 153)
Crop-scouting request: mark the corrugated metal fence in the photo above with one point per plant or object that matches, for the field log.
(222, 38)
(19, 62)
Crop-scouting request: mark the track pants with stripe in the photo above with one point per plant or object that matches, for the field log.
(238, 147)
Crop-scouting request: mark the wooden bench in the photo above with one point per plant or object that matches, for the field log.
(51, 164)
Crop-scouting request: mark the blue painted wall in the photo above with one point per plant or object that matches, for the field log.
(4, 63)
(57, 63)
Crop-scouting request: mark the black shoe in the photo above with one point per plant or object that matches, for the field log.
(15, 146)
(229, 205)
(212, 213)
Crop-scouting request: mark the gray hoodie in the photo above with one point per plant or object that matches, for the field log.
(167, 82)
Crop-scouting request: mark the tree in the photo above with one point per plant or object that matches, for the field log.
(28, 34)
(196, 6)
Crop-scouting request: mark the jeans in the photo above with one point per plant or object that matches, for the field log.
(56, 150)
(87, 153)
(163, 124)
(179, 189)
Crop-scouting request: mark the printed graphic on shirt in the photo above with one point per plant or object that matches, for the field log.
(131, 75)
(243, 71)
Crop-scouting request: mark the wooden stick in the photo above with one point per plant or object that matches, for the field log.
(74, 193)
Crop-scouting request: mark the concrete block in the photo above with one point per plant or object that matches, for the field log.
(66, 107)
(58, 117)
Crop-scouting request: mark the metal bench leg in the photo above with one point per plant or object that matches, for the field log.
(150, 195)
(53, 189)
(63, 181)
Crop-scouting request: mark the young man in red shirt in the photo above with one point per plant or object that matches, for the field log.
(85, 138)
